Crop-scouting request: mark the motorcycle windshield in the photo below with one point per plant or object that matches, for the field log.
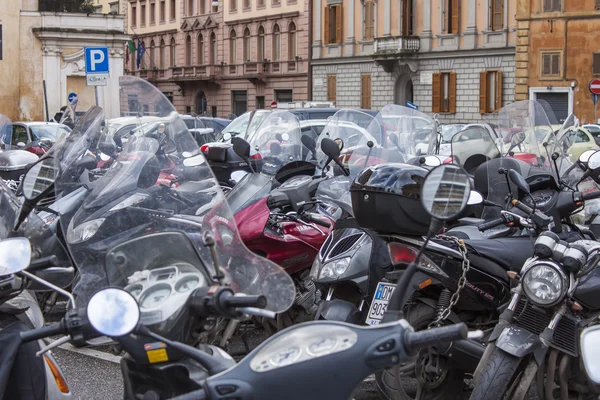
(243, 126)
(351, 126)
(473, 146)
(277, 142)
(401, 133)
(151, 239)
(566, 136)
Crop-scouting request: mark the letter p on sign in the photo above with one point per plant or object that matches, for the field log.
(96, 60)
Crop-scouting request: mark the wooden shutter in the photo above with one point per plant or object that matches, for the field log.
(555, 67)
(597, 4)
(482, 92)
(436, 95)
(546, 58)
(547, 5)
(498, 99)
(339, 17)
(596, 64)
(455, 11)
(331, 88)
(452, 93)
(365, 92)
(326, 30)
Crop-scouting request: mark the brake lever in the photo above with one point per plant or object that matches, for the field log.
(314, 226)
(53, 345)
(259, 312)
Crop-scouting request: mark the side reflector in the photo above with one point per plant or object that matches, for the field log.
(424, 284)
(61, 382)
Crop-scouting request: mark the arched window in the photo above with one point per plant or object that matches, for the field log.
(261, 43)
(232, 47)
(213, 48)
(162, 54)
(247, 45)
(152, 59)
(276, 42)
(200, 50)
(292, 41)
(172, 49)
(188, 50)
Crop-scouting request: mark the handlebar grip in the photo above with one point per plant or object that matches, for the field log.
(491, 224)
(42, 263)
(259, 301)
(319, 221)
(195, 395)
(47, 331)
(435, 336)
(523, 207)
(591, 196)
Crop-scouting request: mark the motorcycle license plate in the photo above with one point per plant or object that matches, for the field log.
(381, 298)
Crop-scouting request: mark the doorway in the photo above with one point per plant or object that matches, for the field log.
(240, 101)
(403, 91)
(201, 103)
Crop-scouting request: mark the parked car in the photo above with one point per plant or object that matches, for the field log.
(594, 130)
(197, 127)
(579, 140)
(28, 135)
(122, 127)
(216, 124)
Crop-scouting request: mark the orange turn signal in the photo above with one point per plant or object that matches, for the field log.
(61, 382)
(424, 284)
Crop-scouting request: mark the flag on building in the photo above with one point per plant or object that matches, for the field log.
(130, 50)
(140, 53)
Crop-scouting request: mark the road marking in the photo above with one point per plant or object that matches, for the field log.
(91, 353)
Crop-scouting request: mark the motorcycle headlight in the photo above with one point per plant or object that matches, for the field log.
(131, 200)
(334, 269)
(314, 270)
(84, 231)
(545, 284)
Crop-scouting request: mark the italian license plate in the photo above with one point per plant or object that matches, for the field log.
(382, 296)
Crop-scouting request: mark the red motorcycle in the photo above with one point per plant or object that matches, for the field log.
(275, 208)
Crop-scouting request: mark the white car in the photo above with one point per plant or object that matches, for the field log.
(24, 133)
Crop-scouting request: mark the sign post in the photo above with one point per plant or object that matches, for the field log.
(96, 66)
(594, 87)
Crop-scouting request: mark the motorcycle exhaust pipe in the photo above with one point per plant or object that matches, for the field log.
(465, 354)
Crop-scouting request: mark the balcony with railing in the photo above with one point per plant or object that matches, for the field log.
(397, 45)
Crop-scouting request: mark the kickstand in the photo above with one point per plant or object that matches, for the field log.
(245, 341)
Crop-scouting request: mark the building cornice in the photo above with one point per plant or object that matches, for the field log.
(263, 18)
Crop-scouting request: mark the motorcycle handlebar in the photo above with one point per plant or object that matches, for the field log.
(316, 220)
(195, 395)
(231, 301)
(436, 336)
(591, 196)
(47, 331)
(42, 263)
(523, 207)
(491, 224)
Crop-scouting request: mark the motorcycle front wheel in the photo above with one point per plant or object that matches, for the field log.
(498, 376)
(412, 380)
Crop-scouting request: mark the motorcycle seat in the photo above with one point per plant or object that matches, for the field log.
(509, 253)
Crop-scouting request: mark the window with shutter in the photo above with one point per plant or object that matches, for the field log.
(407, 17)
(339, 16)
(550, 64)
(435, 92)
(496, 15)
(452, 93)
(596, 64)
(454, 15)
(597, 4)
(490, 91)
(365, 92)
(482, 92)
(369, 20)
(326, 27)
(552, 5)
(331, 88)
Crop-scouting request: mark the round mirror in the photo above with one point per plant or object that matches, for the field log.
(113, 312)
(445, 191)
(193, 161)
(340, 143)
(590, 352)
(227, 136)
(517, 138)
(585, 156)
(475, 198)
(104, 157)
(594, 161)
(39, 178)
(285, 136)
(431, 161)
(15, 255)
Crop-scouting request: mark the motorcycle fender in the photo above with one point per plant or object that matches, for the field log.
(518, 341)
(339, 310)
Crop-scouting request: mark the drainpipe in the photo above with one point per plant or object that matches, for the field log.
(310, 43)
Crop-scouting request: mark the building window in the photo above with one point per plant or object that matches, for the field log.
(213, 48)
(162, 11)
(597, 4)
(369, 20)
(133, 16)
(496, 15)
(152, 59)
(202, 7)
(190, 7)
(232, 47)
(247, 44)
(114, 7)
(173, 10)
(284, 96)
(162, 54)
(152, 13)
(260, 102)
(331, 87)
(552, 5)
(275, 2)
(143, 14)
(596, 64)
(490, 91)
(276, 42)
(444, 92)
(247, 4)
(407, 17)
(260, 3)
(550, 64)
(200, 50)
(232, 5)
(451, 12)
(292, 41)
(365, 91)
(188, 50)
(172, 50)
(333, 24)
(261, 43)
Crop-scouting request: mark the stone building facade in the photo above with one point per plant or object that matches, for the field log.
(456, 58)
(231, 57)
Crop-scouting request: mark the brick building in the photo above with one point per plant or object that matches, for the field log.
(226, 58)
(454, 57)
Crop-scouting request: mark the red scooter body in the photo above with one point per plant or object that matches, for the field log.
(293, 247)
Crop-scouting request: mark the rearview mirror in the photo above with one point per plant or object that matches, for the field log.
(21, 144)
(226, 136)
(309, 143)
(590, 352)
(330, 148)
(113, 312)
(241, 147)
(445, 192)
(585, 156)
(340, 143)
(431, 161)
(40, 178)
(518, 180)
(594, 161)
(88, 162)
(475, 198)
(15, 255)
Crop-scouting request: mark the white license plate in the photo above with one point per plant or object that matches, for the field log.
(381, 298)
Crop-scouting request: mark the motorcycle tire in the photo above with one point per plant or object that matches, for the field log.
(500, 371)
(389, 383)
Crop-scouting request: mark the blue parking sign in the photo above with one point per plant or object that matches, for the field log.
(96, 60)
